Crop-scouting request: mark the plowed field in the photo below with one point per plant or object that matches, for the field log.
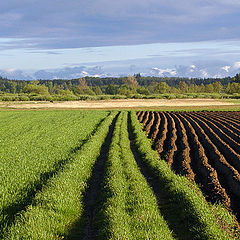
(203, 146)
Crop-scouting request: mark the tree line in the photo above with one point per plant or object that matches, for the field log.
(127, 86)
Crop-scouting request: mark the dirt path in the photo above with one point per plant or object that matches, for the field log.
(118, 103)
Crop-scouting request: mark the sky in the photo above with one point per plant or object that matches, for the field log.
(119, 37)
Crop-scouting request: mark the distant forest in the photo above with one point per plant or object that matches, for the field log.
(135, 86)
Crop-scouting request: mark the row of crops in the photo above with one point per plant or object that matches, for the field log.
(35, 147)
(94, 175)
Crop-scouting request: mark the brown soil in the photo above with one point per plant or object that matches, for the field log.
(163, 134)
(203, 146)
(182, 159)
(155, 128)
(149, 125)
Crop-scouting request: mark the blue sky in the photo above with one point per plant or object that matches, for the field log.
(53, 34)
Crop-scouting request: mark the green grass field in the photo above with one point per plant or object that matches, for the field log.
(70, 174)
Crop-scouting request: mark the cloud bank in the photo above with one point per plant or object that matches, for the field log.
(198, 69)
(73, 24)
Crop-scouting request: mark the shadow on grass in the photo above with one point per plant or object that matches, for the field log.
(10, 212)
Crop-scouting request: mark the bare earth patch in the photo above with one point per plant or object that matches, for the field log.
(118, 103)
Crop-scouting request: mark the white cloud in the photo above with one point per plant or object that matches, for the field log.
(236, 65)
(197, 70)
(164, 72)
(226, 68)
(10, 70)
(192, 68)
(204, 73)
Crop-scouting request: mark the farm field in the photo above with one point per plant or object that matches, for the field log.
(123, 103)
(203, 146)
(93, 175)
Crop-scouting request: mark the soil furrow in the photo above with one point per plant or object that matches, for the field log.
(228, 124)
(156, 126)
(150, 123)
(228, 121)
(138, 114)
(206, 175)
(171, 147)
(162, 133)
(142, 116)
(182, 161)
(230, 117)
(222, 126)
(205, 147)
(217, 137)
(228, 176)
(146, 119)
(226, 137)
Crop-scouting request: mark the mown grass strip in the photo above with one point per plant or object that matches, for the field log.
(183, 201)
(146, 219)
(113, 221)
(130, 209)
(59, 205)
